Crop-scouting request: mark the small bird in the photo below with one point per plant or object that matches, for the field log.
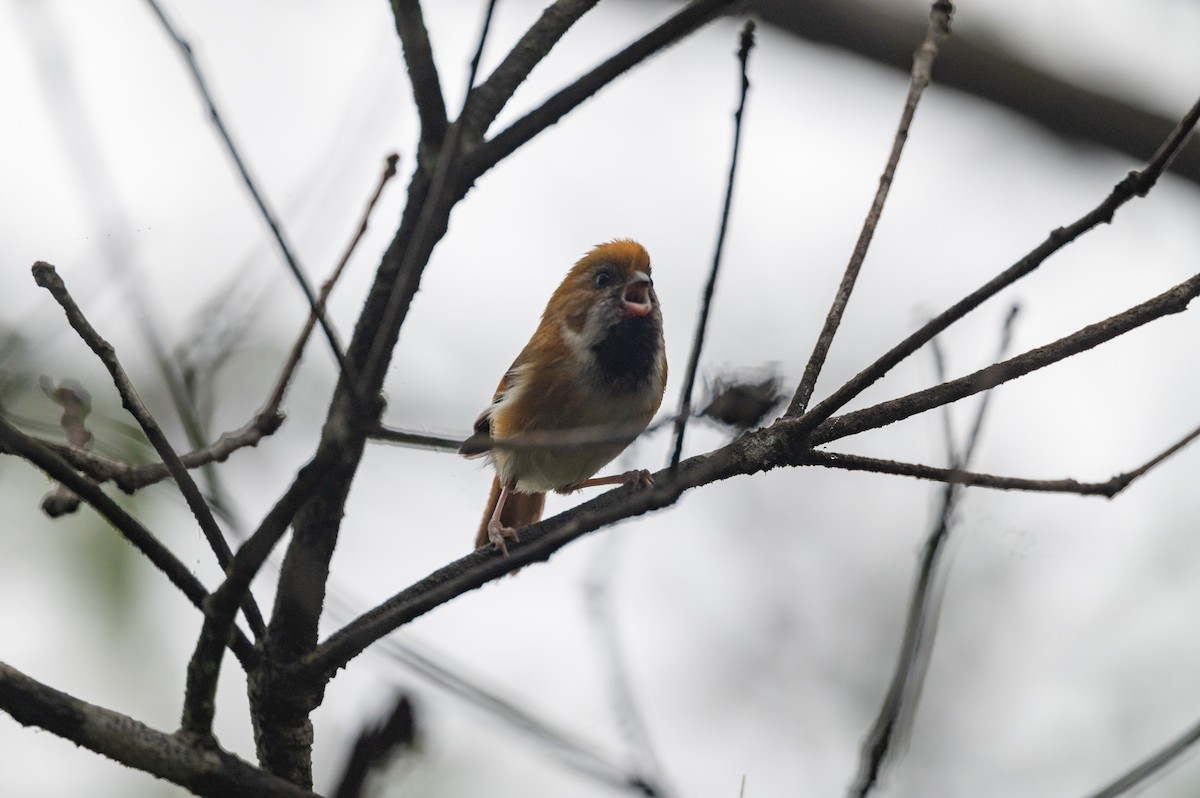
(597, 360)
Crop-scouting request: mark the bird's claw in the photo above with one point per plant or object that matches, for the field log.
(497, 533)
(640, 479)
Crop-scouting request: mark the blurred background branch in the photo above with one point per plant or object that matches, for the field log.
(980, 65)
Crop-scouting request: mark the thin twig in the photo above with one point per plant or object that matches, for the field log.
(1135, 184)
(204, 668)
(431, 196)
(478, 57)
(689, 380)
(601, 609)
(422, 71)
(939, 370)
(853, 462)
(454, 679)
(899, 705)
(271, 409)
(526, 441)
(1152, 765)
(46, 276)
(686, 21)
(922, 73)
(438, 183)
(447, 182)
(785, 443)
(485, 101)
(207, 771)
(420, 440)
(130, 478)
(1173, 300)
(185, 49)
(30, 449)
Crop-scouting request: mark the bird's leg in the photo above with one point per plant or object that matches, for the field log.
(638, 478)
(497, 532)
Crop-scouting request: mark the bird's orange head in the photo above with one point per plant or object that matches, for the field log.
(612, 282)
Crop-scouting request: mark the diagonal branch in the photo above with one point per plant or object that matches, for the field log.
(570, 752)
(957, 476)
(486, 101)
(689, 380)
(1174, 300)
(602, 612)
(206, 771)
(293, 265)
(785, 443)
(1152, 765)
(488, 13)
(14, 441)
(266, 421)
(130, 478)
(45, 276)
(285, 377)
(422, 71)
(981, 64)
(1135, 184)
(220, 610)
(899, 707)
(922, 74)
(512, 138)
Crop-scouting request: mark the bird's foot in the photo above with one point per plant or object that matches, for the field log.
(498, 534)
(638, 479)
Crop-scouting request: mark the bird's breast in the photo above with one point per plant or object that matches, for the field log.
(574, 396)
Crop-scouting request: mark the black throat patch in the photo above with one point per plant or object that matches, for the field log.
(626, 354)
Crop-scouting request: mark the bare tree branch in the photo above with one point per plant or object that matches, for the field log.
(1135, 184)
(271, 409)
(694, 16)
(206, 771)
(14, 441)
(602, 612)
(1174, 300)
(689, 379)
(478, 57)
(1152, 765)
(982, 65)
(894, 722)
(185, 49)
(130, 478)
(45, 276)
(422, 71)
(220, 609)
(525, 441)
(281, 706)
(486, 101)
(569, 751)
(922, 74)
(786, 442)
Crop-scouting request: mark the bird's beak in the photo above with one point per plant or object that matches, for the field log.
(636, 296)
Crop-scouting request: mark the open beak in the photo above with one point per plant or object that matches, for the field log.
(636, 296)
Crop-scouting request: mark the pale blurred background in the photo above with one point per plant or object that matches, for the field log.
(758, 618)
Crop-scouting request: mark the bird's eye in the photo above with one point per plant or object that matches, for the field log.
(603, 278)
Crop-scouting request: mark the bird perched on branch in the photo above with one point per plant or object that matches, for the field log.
(593, 372)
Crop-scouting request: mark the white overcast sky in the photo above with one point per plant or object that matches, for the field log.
(758, 617)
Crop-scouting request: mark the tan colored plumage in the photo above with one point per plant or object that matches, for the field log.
(597, 359)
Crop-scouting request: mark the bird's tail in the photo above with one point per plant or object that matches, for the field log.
(520, 509)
